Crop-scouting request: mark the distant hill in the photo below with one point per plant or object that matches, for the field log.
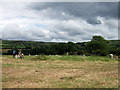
(10, 44)
(55, 48)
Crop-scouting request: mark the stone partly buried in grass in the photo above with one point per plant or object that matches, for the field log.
(40, 57)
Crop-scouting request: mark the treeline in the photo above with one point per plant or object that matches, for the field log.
(8, 44)
(97, 46)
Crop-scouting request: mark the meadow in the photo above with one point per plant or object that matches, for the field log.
(60, 71)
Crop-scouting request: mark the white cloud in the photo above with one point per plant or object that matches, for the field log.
(18, 21)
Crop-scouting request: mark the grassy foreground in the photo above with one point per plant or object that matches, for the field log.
(59, 72)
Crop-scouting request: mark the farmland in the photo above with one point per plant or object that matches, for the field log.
(100, 47)
(60, 71)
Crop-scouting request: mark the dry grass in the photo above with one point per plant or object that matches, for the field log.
(18, 73)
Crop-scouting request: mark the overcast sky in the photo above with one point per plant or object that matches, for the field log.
(58, 21)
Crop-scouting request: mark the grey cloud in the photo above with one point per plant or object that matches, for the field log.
(84, 31)
(64, 22)
(94, 21)
(86, 10)
(13, 31)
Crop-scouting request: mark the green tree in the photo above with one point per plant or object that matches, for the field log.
(52, 49)
(61, 48)
(72, 47)
(97, 46)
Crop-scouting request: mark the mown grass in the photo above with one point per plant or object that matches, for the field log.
(60, 72)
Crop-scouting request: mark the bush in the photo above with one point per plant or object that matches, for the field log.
(100, 52)
(9, 52)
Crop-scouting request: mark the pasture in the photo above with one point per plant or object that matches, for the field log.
(59, 72)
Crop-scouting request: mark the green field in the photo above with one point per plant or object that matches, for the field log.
(60, 72)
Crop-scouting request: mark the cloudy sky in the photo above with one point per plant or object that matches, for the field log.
(58, 21)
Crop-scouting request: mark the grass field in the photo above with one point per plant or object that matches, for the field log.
(59, 72)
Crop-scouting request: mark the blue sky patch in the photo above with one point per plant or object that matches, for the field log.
(40, 25)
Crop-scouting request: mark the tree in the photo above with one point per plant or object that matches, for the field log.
(52, 49)
(97, 46)
(98, 38)
(72, 47)
(61, 48)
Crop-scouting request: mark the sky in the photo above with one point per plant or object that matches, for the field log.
(58, 21)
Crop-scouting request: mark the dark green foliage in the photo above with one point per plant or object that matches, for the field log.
(60, 48)
(98, 38)
(97, 46)
(114, 47)
(71, 47)
(26, 51)
(9, 52)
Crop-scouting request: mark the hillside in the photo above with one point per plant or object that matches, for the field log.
(53, 47)
(10, 44)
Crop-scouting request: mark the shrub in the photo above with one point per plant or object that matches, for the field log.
(100, 52)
